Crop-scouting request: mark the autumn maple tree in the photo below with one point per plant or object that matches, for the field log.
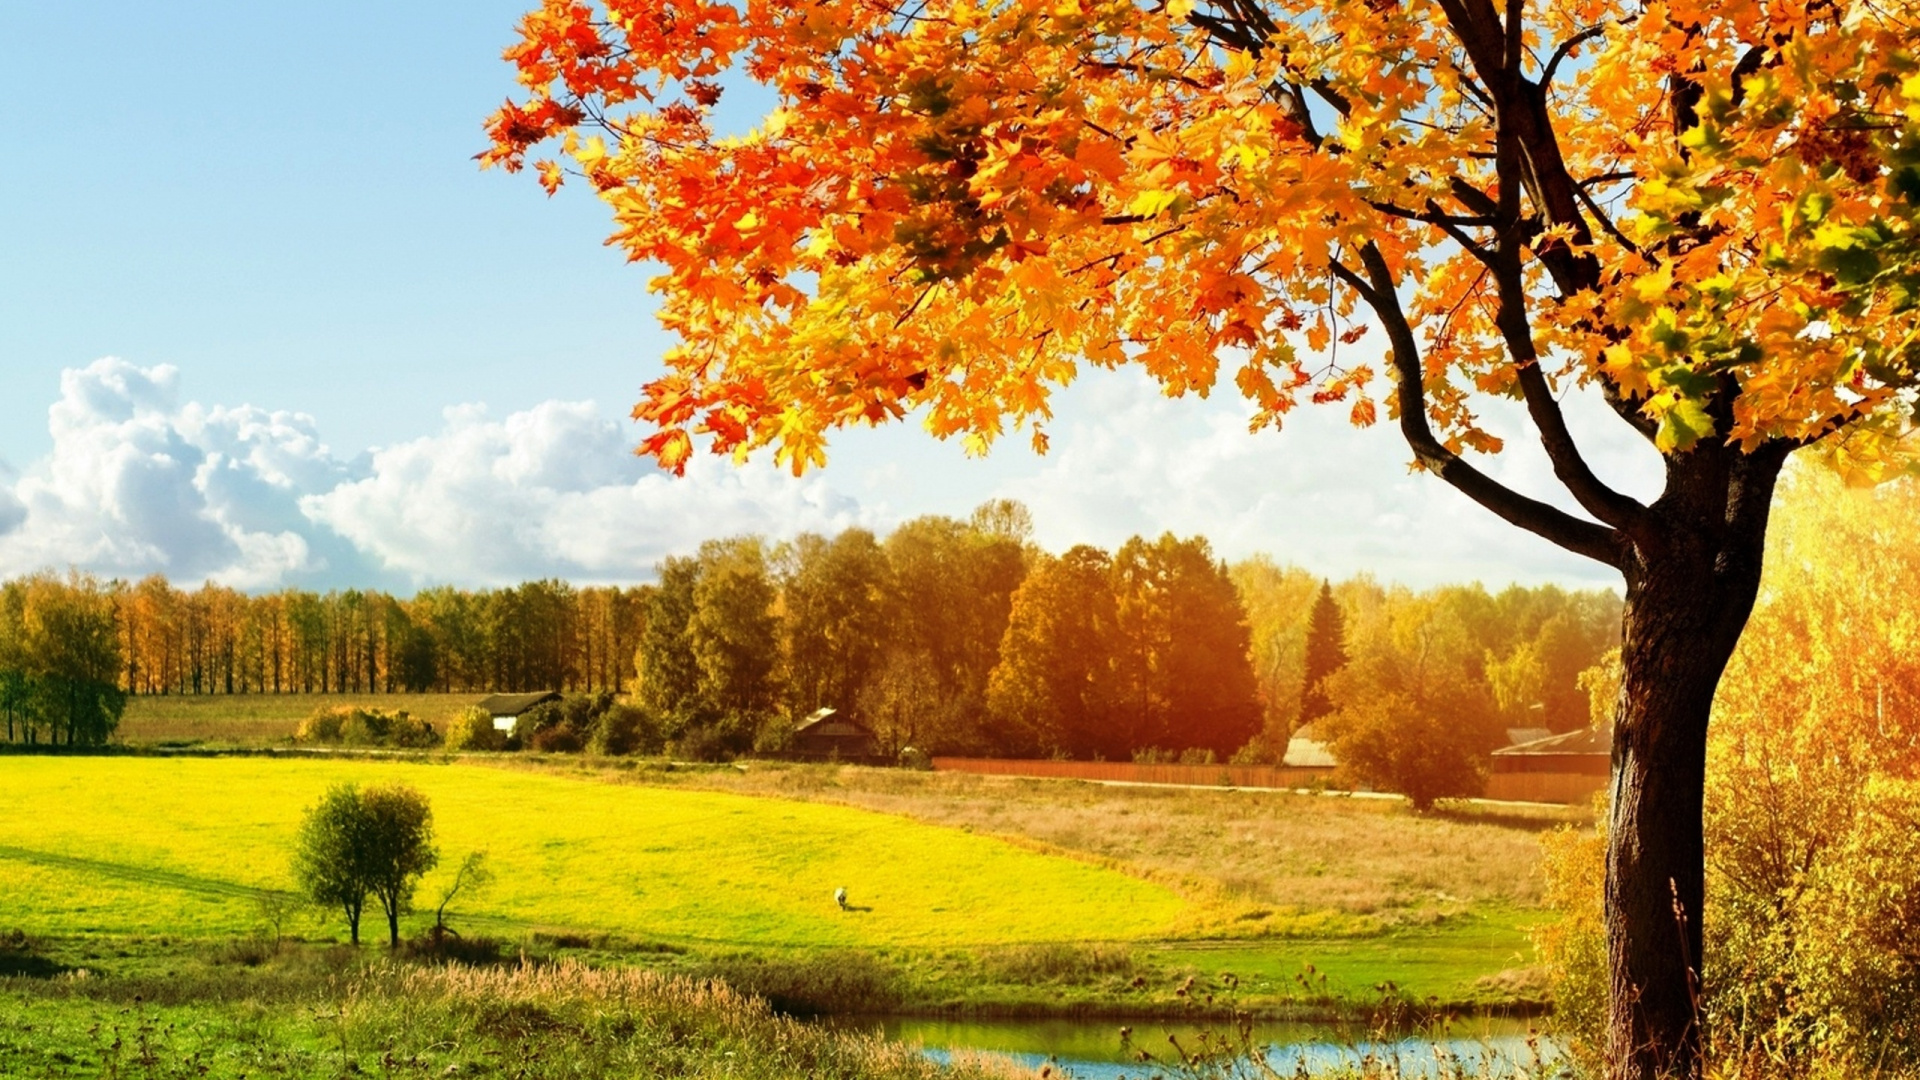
(1703, 210)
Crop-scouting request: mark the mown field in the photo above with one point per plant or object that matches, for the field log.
(181, 846)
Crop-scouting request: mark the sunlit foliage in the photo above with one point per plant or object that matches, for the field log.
(1813, 805)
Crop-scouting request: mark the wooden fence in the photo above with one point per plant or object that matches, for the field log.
(1258, 776)
(1570, 788)
(1540, 787)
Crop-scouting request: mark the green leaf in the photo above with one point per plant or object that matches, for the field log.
(1681, 426)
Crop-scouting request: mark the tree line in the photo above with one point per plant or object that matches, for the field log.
(948, 635)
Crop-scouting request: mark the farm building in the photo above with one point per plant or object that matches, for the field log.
(1306, 751)
(826, 736)
(1557, 769)
(506, 708)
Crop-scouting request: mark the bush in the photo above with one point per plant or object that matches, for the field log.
(353, 726)
(566, 726)
(323, 726)
(1574, 946)
(558, 739)
(625, 729)
(473, 729)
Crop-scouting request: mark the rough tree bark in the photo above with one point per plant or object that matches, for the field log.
(1691, 582)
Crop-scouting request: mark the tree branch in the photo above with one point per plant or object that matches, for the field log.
(1566, 49)
(1597, 542)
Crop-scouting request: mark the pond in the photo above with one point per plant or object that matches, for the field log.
(1094, 1049)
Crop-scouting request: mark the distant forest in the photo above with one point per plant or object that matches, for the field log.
(947, 635)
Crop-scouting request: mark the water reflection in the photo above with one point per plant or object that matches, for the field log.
(1099, 1050)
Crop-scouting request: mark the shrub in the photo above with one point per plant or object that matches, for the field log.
(625, 729)
(1574, 946)
(558, 739)
(323, 726)
(473, 729)
(352, 726)
(534, 721)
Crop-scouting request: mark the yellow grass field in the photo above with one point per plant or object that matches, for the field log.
(184, 847)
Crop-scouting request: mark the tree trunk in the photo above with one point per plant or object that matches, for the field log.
(1691, 585)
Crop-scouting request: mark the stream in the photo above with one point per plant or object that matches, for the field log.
(1092, 1049)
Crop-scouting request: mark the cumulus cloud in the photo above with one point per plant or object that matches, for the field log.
(141, 481)
(555, 491)
(138, 483)
(1320, 493)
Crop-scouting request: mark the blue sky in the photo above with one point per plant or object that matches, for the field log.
(344, 355)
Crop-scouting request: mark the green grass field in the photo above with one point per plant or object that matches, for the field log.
(142, 846)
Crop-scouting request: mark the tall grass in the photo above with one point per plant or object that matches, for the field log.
(560, 1022)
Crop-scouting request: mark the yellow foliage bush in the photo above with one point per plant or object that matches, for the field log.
(348, 725)
(472, 729)
(1574, 947)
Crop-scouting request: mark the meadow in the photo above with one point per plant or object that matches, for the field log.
(259, 719)
(183, 846)
(647, 915)
(984, 895)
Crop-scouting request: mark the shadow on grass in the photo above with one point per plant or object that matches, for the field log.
(1547, 820)
(18, 960)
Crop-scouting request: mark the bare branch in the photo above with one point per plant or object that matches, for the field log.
(1566, 49)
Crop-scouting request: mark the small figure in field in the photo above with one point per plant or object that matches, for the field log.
(840, 897)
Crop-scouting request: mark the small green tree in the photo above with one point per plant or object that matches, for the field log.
(473, 875)
(326, 856)
(398, 848)
(354, 843)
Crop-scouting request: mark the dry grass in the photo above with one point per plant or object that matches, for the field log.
(1310, 853)
(255, 719)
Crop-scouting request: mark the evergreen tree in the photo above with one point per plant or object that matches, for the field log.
(1326, 654)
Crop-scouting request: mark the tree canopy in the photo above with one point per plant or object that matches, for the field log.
(358, 842)
(1706, 207)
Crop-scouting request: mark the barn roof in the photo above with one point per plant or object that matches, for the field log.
(1584, 741)
(821, 716)
(1517, 736)
(515, 704)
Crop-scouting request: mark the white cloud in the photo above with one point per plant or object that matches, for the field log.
(138, 481)
(138, 484)
(555, 491)
(1319, 493)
